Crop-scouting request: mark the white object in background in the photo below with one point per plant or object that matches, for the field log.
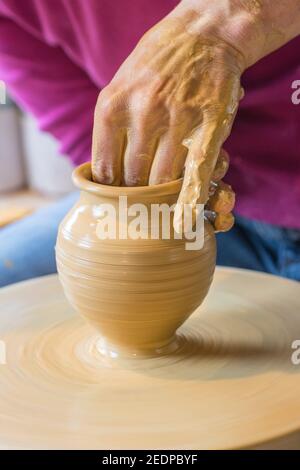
(47, 170)
(12, 174)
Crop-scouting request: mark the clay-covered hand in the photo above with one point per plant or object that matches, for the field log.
(220, 204)
(172, 103)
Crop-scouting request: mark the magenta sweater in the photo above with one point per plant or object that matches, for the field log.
(55, 56)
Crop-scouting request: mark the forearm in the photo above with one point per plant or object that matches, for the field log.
(255, 27)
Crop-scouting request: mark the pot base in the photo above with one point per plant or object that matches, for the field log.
(116, 352)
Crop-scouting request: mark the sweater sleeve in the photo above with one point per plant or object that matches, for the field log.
(48, 85)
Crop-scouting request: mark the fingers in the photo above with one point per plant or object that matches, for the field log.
(107, 152)
(108, 145)
(223, 199)
(219, 172)
(139, 155)
(223, 222)
(221, 167)
(169, 159)
(204, 148)
(220, 204)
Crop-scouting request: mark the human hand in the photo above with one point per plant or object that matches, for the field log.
(171, 105)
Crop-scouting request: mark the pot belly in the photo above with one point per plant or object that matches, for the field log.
(135, 295)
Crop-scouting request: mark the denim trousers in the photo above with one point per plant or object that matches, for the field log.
(27, 246)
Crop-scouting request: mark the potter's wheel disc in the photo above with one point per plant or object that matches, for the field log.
(231, 385)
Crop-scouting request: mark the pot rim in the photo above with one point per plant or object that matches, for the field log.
(82, 178)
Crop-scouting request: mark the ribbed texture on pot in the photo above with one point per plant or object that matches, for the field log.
(135, 292)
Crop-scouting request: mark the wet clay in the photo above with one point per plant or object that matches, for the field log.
(173, 115)
(170, 107)
(135, 292)
(230, 384)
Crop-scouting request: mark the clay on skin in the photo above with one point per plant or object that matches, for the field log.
(172, 103)
(188, 113)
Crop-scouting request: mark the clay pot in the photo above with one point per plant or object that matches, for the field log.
(135, 292)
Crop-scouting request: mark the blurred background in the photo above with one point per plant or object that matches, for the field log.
(27, 181)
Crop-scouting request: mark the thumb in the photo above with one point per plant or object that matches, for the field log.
(203, 149)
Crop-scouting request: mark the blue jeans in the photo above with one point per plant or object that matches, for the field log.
(27, 246)
(263, 247)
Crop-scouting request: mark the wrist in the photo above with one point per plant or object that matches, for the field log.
(253, 27)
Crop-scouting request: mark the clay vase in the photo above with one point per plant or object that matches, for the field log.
(136, 292)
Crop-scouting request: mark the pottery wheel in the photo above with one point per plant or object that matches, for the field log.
(231, 384)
